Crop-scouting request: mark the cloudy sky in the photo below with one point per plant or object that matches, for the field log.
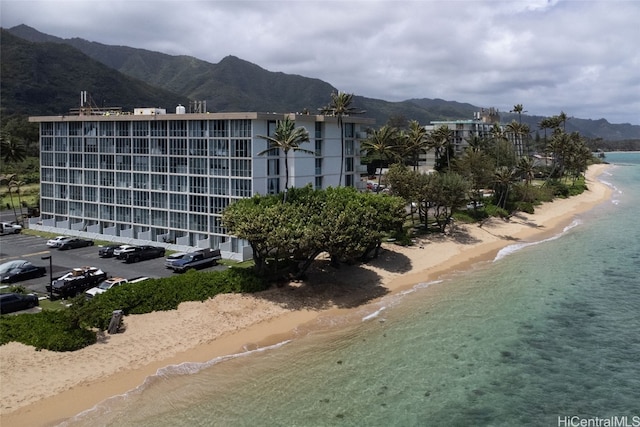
(580, 57)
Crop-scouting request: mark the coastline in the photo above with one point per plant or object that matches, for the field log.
(45, 388)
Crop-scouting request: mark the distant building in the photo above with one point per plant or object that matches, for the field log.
(166, 178)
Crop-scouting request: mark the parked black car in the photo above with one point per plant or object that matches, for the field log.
(107, 251)
(74, 243)
(18, 270)
(141, 253)
(11, 302)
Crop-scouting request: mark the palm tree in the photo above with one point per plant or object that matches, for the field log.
(441, 139)
(13, 151)
(340, 107)
(383, 143)
(8, 180)
(503, 179)
(416, 142)
(518, 108)
(286, 138)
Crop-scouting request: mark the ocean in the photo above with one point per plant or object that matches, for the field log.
(546, 334)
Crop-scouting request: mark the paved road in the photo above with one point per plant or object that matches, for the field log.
(33, 248)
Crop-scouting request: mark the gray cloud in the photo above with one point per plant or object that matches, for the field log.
(580, 57)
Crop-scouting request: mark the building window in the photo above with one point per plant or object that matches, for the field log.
(106, 161)
(273, 185)
(218, 148)
(318, 183)
(219, 128)
(158, 146)
(91, 161)
(61, 160)
(219, 167)
(198, 147)
(219, 186)
(106, 213)
(197, 128)
(241, 187)
(140, 163)
(159, 164)
(141, 198)
(123, 214)
(159, 218)
(178, 165)
(240, 167)
(159, 200)
(46, 159)
(91, 177)
(198, 165)
(140, 216)
(61, 144)
(123, 128)
(90, 210)
(75, 145)
(348, 164)
(46, 144)
(106, 129)
(318, 147)
(123, 163)
(318, 129)
(273, 167)
(177, 128)
(106, 195)
(159, 182)
(91, 145)
(106, 179)
(178, 220)
(61, 176)
(198, 222)
(348, 180)
(123, 197)
(90, 194)
(140, 180)
(178, 183)
(198, 204)
(75, 128)
(123, 179)
(241, 128)
(216, 225)
(240, 148)
(107, 145)
(158, 128)
(178, 202)
(318, 166)
(75, 176)
(219, 204)
(178, 147)
(349, 130)
(198, 184)
(349, 147)
(75, 160)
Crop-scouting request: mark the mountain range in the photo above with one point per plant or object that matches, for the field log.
(44, 75)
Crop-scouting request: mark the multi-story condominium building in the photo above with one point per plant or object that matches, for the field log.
(166, 178)
(464, 130)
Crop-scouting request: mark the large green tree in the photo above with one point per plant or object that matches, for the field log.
(287, 237)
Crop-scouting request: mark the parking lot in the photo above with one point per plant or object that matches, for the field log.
(33, 248)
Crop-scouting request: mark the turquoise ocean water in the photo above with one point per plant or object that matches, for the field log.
(546, 330)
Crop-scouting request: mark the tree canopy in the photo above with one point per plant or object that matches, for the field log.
(286, 237)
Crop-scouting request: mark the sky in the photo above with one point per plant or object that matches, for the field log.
(551, 56)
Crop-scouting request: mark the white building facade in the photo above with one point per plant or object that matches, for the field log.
(165, 179)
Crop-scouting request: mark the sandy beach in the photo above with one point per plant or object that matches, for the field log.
(42, 388)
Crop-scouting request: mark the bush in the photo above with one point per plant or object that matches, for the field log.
(51, 330)
(495, 211)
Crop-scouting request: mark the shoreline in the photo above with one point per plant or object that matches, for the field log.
(61, 385)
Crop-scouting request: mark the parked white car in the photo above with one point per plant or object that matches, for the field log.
(121, 252)
(56, 241)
